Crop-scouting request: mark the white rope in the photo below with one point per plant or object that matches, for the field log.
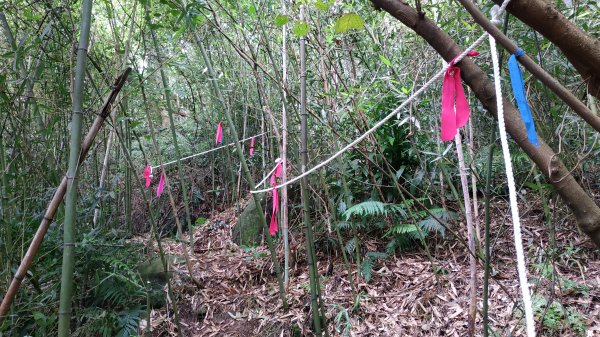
(512, 193)
(204, 152)
(268, 174)
(391, 114)
(381, 122)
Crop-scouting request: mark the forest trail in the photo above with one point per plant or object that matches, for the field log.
(239, 289)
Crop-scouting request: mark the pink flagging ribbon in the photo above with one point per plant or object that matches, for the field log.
(161, 185)
(219, 137)
(148, 175)
(274, 226)
(455, 107)
(252, 147)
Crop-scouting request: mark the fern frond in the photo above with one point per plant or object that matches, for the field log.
(366, 208)
(431, 225)
(366, 269)
(375, 208)
(401, 229)
(343, 225)
(350, 246)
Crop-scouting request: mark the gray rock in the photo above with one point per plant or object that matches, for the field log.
(248, 229)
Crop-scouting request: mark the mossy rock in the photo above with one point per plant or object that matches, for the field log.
(155, 277)
(153, 270)
(248, 229)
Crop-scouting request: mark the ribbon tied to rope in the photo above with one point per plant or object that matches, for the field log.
(455, 107)
(274, 226)
(161, 185)
(516, 80)
(219, 136)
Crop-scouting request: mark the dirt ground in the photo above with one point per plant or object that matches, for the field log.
(238, 289)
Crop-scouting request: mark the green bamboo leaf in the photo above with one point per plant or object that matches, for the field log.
(281, 20)
(385, 60)
(347, 22)
(300, 28)
(252, 11)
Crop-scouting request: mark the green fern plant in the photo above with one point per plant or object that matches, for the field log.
(402, 234)
(343, 324)
(366, 267)
(372, 208)
(558, 319)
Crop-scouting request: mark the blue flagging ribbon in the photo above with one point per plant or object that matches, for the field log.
(516, 80)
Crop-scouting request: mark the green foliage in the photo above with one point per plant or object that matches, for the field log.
(402, 233)
(385, 60)
(558, 319)
(348, 22)
(281, 20)
(342, 321)
(373, 208)
(566, 285)
(366, 79)
(300, 28)
(323, 6)
(256, 255)
(366, 267)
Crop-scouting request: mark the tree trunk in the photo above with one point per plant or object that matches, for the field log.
(579, 47)
(586, 212)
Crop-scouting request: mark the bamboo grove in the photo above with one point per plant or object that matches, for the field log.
(147, 82)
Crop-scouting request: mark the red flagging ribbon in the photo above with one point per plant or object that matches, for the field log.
(274, 226)
(455, 107)
(252, 147)
(219, 137)
(148, 175)
(161, 185)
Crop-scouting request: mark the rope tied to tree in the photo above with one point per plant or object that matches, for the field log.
(518, 241)
(396, 111)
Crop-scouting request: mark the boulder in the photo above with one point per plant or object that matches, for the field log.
(248, 229)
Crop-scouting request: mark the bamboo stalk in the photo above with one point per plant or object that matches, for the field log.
(167, 91)
(248, 176)
(68, 263)
(486, 273)
(58, 197)
(284, 137)
(471, 236)
(312, 267)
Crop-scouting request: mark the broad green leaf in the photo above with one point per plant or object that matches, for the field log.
(347, 22)
(385, 60)
(323, 6)
(281, 20)
(252, 11)
(300, 28)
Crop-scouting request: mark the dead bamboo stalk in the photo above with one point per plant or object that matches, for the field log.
(58, 197)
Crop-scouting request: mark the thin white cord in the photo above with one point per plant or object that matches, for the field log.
(512, 193)
(205, 152)
(268, 175)
(391, 114)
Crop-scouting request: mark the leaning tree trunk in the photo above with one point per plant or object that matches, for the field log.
(579, 47)
(586, 212)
